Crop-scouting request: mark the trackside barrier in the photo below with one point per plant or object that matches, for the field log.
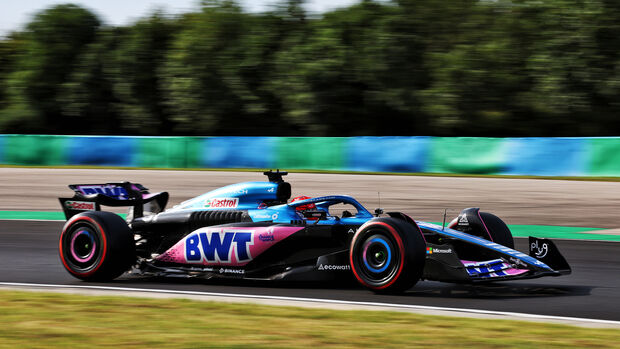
(102, 151)
(238, 152)
(2, 147)
(170, 152)
(467, 155)
(35, 150)
(547, 156)
(604, 157)
(387, 154)
(313, 153)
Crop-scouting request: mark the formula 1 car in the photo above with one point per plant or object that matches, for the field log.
(251, 231)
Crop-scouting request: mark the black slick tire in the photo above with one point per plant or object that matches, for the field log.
(96, 246)
(387, 255)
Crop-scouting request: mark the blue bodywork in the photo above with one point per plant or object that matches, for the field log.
(250, 195)
(320, 238)
(253, 196)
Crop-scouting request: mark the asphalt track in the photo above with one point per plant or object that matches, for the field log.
(28, 254)
(28, 249)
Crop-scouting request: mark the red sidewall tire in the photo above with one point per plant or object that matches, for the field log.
(387, 255)
(96, 246)
(72, 226)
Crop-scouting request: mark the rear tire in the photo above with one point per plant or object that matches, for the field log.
(387, 255)
(97, 246)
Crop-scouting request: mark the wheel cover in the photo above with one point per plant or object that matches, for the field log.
(82, 249)
(380, 260)
(83, 246)
(377, 255)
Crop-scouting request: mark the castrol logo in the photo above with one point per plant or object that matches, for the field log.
(80, 205)
(222, 203)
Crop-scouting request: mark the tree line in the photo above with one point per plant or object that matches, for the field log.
(402, 67)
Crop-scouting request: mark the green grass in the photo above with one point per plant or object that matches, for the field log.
(48, 320)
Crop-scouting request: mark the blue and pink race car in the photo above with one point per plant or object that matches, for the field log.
(252, 231)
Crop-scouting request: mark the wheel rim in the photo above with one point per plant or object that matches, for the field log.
(377, 255)
(82, 248)
(379, 259)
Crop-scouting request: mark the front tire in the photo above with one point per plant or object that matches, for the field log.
(96, 246)
(387, 255)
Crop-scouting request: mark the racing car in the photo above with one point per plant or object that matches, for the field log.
(252, 231)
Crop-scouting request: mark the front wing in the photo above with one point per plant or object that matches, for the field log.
(478, 259)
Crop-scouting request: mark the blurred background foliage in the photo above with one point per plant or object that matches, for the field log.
(402, 67)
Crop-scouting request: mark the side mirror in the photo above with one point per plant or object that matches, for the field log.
(378, 211)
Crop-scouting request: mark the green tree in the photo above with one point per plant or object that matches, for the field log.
(405, 67)
(87, 98)
(56, 37)
(16, 114)
(217, 70)
(328, 75)
(136, 65)
(200, 73)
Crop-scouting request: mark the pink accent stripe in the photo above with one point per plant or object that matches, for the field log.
(485, 226)
(89, 256)
(513, 271)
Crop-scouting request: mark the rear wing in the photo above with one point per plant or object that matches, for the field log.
(90, 197)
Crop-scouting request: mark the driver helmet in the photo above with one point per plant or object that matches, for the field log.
(303, 207)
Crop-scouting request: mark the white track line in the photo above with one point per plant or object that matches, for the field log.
(352, 304)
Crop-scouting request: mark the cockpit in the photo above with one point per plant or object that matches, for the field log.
(330, 209)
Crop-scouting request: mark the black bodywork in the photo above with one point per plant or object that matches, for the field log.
(319, 249)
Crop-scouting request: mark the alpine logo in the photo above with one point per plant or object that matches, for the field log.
(218, 246)
(330, 267)
(463, 220)
(80, 205)
(222, 203)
